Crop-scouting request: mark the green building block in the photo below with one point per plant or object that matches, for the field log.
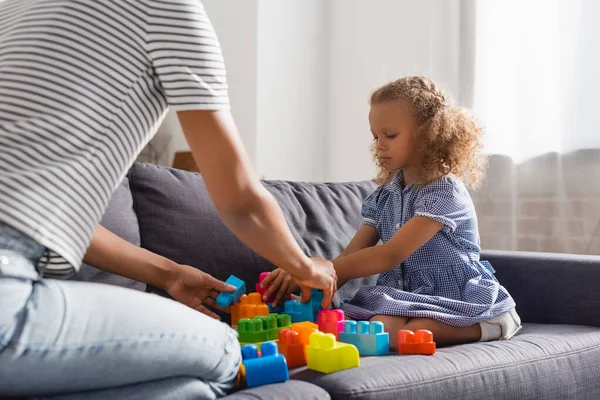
(262, 328)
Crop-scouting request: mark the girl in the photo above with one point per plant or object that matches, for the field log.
(431, 276)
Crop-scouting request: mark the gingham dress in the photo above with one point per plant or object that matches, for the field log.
(443, 280)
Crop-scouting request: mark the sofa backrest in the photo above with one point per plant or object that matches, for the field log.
(119, 218)
(178, 220)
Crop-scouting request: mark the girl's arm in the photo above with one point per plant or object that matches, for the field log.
(366, 236)
(374, 260)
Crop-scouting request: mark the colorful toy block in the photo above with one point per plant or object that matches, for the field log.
(328, 320)
(226, 299)
(419, 342)
(368, 337)
(261, 290)
(305, 329)
(291, 347)
(249, 306)
(261, 329)
(270, 367)
(325, 355)
(298, 311)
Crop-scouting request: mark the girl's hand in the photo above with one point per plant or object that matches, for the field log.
(280, 285)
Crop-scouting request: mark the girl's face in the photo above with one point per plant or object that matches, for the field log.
(393, 130)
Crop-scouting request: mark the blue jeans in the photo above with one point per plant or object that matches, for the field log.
(63, 339)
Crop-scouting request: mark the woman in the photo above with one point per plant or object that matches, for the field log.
(83, 86)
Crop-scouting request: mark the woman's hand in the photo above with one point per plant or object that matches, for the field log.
(280, 285)
(197, 289)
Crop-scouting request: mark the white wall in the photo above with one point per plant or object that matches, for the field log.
(236, 24)
(301, 71)
(292, 89)
(372, 42)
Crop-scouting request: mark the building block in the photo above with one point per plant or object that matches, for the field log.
(249, 306)
(259, 289)
(270, 367)
(298, 311)
(291, 347)
(316, 298)
(419, 342)
(262, 328)
(325, 355)
(327, 321)
(305, 329)
(262, 291)
(226, 299)
(368, 337)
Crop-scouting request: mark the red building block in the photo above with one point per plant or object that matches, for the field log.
(419, 342)
(291, 347)
(261, 290)
(327, 321)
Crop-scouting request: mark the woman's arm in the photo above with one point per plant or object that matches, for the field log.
(374, 260)
(243, 203)
(113, 254)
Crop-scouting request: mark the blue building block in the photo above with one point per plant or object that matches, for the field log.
(298, 311)
(227, 299)
(316, 298)
(271, 367)
(369, 338)
(276, 310)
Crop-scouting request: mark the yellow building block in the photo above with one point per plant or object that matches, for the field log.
(325, 355)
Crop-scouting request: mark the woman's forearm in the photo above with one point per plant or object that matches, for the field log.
(113, 254)
(262, 227)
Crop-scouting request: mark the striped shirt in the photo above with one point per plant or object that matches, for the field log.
(84, 85)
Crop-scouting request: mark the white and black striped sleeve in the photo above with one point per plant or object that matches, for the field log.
(186, 55)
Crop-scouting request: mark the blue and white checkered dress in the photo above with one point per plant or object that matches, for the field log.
(443, 280)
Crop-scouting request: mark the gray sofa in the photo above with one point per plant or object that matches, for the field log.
(556, 355)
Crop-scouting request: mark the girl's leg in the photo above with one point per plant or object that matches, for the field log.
(443, 334)
(61, 337)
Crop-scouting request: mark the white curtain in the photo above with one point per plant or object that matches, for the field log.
(537, 75)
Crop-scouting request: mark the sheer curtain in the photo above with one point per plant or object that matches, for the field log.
(536, 86)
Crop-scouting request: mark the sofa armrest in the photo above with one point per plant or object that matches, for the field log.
(550, 288)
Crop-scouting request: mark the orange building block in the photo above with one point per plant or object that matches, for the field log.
(327, 321)
(249, 306)
(305, 329)
(419, 342)
(291, 347)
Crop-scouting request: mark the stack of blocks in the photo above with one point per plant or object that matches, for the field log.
(262, 329)
(369, 338)
(301, 341)
(270, 367)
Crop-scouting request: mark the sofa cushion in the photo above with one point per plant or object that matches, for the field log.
(120, 219)
(289, 390)
(541, 362)
(178, 220)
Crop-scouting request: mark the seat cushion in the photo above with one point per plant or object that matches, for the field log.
(541, 362)
(289, 390)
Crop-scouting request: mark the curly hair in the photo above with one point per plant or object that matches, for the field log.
(449, 136)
